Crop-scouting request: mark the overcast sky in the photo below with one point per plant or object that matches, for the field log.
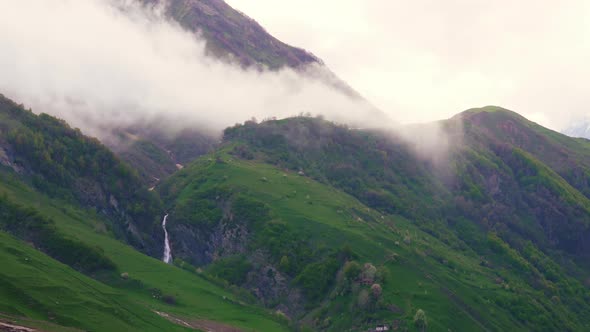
(428, 59)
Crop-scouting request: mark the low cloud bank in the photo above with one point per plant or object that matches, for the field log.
(101, 64)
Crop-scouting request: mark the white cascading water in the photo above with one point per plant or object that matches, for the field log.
(167, 252)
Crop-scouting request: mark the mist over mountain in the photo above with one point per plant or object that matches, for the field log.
(223, 180)
(233, 35)
(83, 75)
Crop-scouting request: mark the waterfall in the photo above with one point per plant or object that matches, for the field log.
(167, 252)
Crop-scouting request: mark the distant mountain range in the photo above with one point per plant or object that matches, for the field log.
(579, 129)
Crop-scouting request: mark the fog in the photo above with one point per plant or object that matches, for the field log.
(429, 59)
(98, 65)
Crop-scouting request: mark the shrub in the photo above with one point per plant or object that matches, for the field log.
(316, 278)
(369, 272)
(376, 291)
(352, 270)
(233, 269)
(169, 299)
(363, 299)
(284, 264)
(420, 320)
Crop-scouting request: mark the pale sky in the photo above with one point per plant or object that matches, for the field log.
(428, 59)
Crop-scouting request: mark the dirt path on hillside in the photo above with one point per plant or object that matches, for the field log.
(5, 327)
(199, 324)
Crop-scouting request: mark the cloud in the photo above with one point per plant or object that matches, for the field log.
(99, 65)
(429, 59)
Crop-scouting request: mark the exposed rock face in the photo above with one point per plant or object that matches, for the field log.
(271, 286)
(7, 160)
(201, 247)
(265, 281)
(202, 244)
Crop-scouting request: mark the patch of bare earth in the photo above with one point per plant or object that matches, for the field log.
(199, 324)
(6, 327)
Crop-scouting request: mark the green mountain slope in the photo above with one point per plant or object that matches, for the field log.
(48, 290)
(493, 240)
(298, 238)
(54, 201)
(35, 286)
(61, 162)
(327, 227)
(568, 157)
(498, 168)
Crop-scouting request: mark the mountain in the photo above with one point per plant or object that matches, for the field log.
(338, 227)
(579, 129)
(69, 211)
(476, 223)
(232, 35)
(155, 153)
(229, 32)
(300, 223)
(62, 162)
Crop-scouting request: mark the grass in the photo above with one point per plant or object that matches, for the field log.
(33, 288)
(457, 295)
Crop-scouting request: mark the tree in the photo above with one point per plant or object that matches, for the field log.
(369, 272)
(382, 274)
(420, 320)
(376, 290)
(363, 299)
(352, 270)
(284, 264)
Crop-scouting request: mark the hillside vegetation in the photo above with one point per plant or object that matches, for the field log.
(300, 211)
(299, 224)
(127, 288)
(63, 163)
(64, 258)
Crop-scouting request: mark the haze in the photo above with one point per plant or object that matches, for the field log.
(429, 59)
(98, 66)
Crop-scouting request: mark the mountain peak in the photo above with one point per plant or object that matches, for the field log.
(490, 110)
(229, 32)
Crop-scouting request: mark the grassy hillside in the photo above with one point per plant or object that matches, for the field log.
(35, 286)
(319, 252)
(568, 157)
(503, 173)
(327, 227)
(38, 287)
(63, 163)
